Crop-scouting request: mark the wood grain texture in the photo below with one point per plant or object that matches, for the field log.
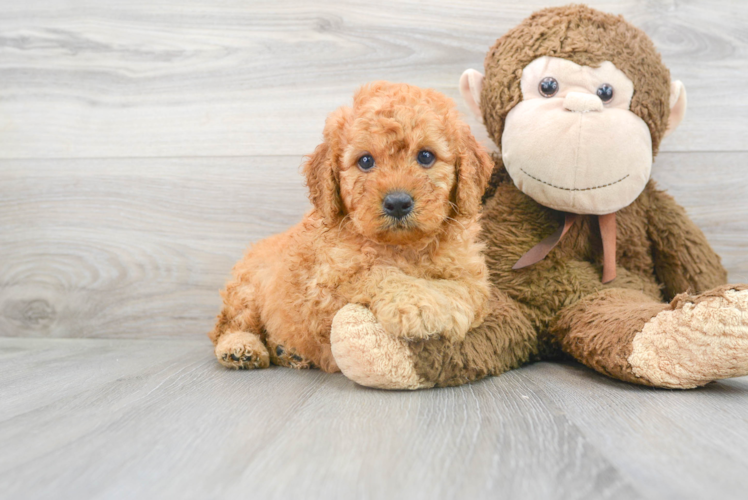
(132, 248)
(713, 187)
(138, 248)
(93, 418)
(85, 418)
(675, 444)
(237, 78)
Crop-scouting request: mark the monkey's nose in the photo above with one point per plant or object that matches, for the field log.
(582, 102)
(397, 204)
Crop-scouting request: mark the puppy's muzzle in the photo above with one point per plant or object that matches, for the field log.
(397, 204)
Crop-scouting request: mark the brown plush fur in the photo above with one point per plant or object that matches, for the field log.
(423, 276)
(504, 341)
(600, 328)
(560, 305)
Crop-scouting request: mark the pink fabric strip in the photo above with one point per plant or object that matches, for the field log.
(607, 224)
(608, 233)
(542, 249)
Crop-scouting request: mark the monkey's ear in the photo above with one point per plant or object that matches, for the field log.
(678, 104)
(471, 85)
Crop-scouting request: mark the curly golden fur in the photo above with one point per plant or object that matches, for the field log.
(422, 276)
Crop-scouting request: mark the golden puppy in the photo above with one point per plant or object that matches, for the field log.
(396, 188)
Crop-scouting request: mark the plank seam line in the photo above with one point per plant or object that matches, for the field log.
(77, 158)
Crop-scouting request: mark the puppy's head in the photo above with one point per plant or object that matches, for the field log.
(399, 164)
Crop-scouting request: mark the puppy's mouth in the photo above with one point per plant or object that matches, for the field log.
(389, 223)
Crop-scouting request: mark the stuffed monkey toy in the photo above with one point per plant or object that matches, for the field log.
(587, 257)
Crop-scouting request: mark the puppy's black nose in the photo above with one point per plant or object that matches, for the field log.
(397, 204)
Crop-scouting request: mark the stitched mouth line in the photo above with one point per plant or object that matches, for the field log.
(574, 189)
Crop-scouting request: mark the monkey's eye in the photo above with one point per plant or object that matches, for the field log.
(366, 162)
(548, 86)
(605, 92)
(426, 158)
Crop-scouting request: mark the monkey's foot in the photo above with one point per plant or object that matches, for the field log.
(241, 351)
(368, 355)
(282, 356)
(701, 339)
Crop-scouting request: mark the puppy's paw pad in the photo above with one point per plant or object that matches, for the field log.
(282, 356)
(241, 351)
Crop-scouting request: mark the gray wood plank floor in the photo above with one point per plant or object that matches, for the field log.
(145, 144)
(97, 418)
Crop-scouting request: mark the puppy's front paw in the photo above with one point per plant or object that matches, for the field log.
(421, 314)
(242, 351)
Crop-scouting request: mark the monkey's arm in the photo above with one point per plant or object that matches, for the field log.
(370, 356)
(684, 260)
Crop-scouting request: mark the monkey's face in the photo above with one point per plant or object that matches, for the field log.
(572, 143)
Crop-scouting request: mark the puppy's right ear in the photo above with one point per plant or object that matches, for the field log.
(474, 167)
(471, 86)
(321, 168)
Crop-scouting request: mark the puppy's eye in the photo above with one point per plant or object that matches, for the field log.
(366, 162)
(548, 86)
(605, 92)
(426, 158)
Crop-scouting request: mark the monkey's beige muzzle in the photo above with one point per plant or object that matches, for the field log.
(581, 102)
(571, 155)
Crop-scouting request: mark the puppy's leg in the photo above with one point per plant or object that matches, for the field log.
(468, 305)
(416, 308)
(237, 345)
(409, 309)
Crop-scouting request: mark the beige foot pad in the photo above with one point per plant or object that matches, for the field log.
(695, 343)
(241, 350)
(368, 355)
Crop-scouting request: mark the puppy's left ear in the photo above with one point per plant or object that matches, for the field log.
(321, 168)
(474, 168)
